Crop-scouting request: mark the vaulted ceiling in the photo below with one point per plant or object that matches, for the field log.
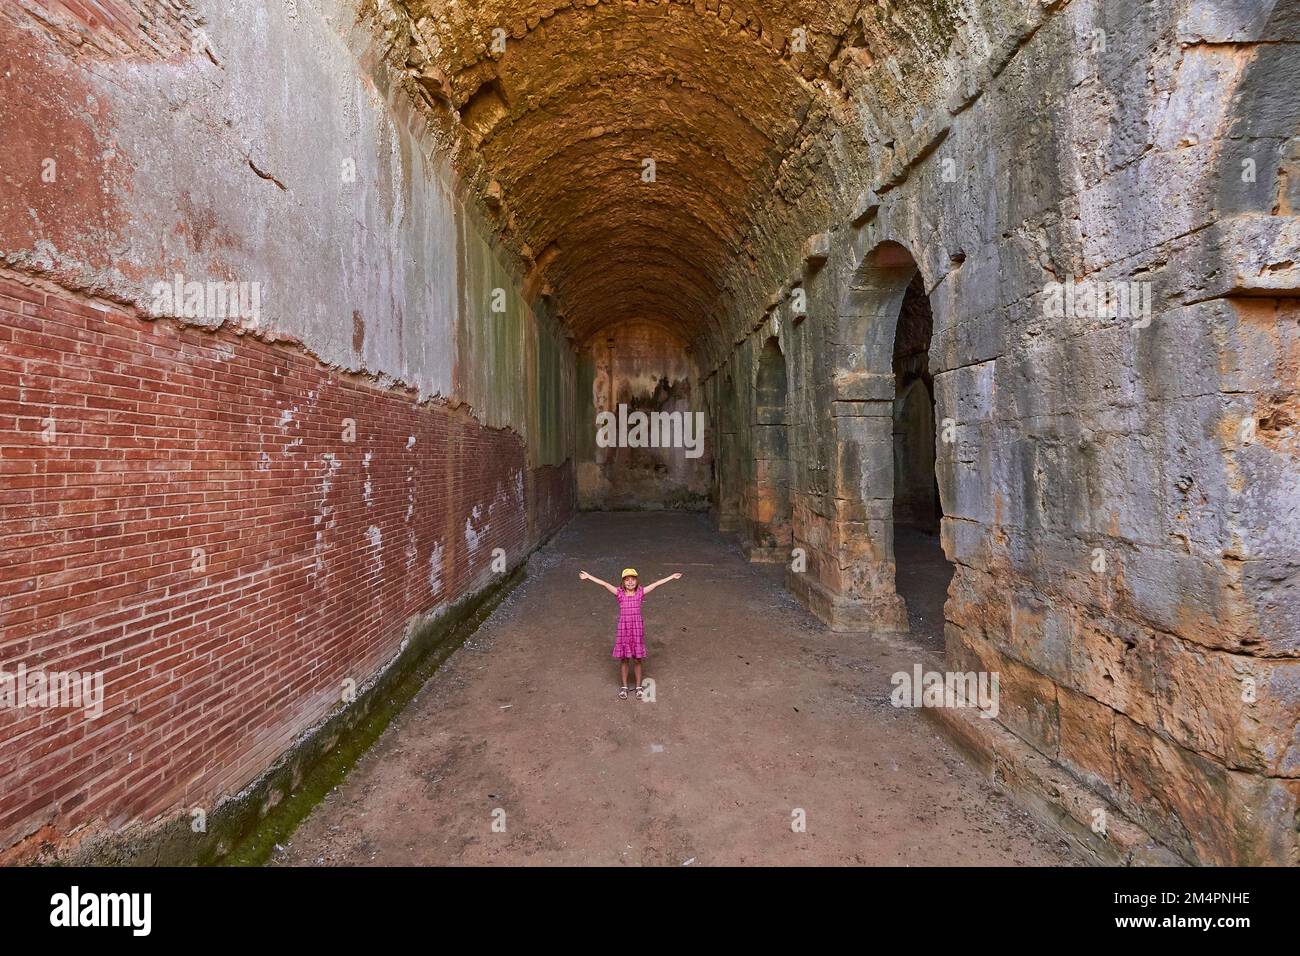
(567, 106)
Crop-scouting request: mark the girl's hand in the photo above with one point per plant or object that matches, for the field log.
(677, 576)
(583, 575)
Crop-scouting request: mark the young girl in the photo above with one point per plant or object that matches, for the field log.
(630, 644)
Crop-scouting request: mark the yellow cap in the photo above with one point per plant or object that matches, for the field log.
(629, 573)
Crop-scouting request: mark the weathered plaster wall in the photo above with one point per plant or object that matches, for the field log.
(291, 157)
(646, 368)
(234, 519)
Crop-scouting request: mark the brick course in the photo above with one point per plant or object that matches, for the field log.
(316, 552)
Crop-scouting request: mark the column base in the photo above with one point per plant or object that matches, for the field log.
(880, 614)
(758, 555)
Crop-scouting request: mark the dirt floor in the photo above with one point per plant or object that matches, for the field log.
(761, 717)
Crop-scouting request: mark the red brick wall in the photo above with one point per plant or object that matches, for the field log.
(553, 498)
(318, 552)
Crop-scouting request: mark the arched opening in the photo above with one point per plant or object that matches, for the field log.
(922, 573)
(769, 510)
(849, 535)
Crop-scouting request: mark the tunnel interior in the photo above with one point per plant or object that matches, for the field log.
(321, 319)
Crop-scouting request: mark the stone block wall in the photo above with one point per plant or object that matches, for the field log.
(1119, 495)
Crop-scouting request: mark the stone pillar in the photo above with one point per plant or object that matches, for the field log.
(731, 517)
(850, 584)
(860, 574)
(769, 500)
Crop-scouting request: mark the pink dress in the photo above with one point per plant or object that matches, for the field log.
(631, 629)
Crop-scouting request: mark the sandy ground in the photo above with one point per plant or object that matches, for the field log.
(761, 717)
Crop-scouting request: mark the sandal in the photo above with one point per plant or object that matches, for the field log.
(640, 693)
(622, 693)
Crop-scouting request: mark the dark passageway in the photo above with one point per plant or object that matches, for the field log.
(922, 572)
(922, 578)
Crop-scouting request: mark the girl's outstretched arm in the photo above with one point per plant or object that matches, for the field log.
(671, 577)
(584, 576)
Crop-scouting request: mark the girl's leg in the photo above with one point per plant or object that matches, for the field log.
(622, 666)
(638, 673)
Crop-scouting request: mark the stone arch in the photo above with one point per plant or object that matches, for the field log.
(853, 587)
(769, 500)
(770, 380)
